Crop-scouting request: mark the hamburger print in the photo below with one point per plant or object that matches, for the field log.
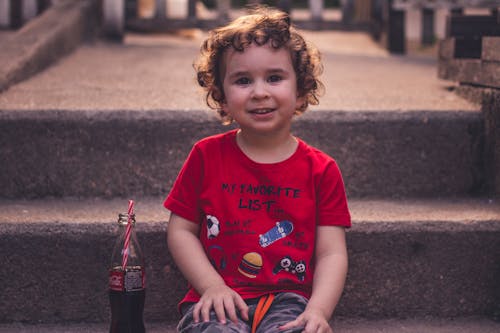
(250, 265)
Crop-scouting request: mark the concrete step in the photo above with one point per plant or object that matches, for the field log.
(139, 153)
(408, 259)
(340, 325)
(43, 40)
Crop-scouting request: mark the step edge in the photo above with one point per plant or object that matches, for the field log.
(200, 115)
(367, 214)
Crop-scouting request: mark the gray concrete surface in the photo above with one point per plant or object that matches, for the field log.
(155, 72)
(408, 259)
(341, 325)
(150, 210)
(150, 72)
(41, 41)
(114, 153)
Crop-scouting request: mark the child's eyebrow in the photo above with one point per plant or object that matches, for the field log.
(238, 74)
(278, 70)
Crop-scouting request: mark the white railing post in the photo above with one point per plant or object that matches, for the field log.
(177, 9)
(29, 10)
(316, 8)
(4, 13)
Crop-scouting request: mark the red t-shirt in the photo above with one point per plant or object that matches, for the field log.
(258, 221)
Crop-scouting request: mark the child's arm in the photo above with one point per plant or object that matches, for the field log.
(328, 281)
(188, 253)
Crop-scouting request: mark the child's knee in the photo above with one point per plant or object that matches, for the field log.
(212, 327)
(187, 325)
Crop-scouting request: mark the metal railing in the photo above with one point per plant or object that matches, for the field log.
(164, 15)
(392, 21)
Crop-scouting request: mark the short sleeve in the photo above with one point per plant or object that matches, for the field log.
(332, 201)
(184, 198)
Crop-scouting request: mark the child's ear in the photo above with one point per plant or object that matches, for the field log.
(299, 103)
(223, 107)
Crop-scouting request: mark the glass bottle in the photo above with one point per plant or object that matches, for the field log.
(127, 280)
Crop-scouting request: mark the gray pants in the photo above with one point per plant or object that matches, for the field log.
(285, 307)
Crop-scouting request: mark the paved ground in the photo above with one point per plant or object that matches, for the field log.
(154, 71)
(5, 35)
(462, 325)
(151, 72)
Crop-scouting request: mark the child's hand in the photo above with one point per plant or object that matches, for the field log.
(311, 320)
(223, 300)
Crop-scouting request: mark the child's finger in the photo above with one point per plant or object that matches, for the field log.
(231, 310)
(202, 311)
(196, 312)
(298, 329)
(242, 307)
(297, 323)
(219, 311)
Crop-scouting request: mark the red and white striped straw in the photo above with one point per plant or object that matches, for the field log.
(127, 233)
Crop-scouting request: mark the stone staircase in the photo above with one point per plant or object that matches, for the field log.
(424, 243)
(421, 246)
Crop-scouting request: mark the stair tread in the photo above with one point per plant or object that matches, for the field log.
(341, 325)
(436, 256)
(146, 73)
(150, 210)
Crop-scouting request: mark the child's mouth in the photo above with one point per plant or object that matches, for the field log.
(261, 111)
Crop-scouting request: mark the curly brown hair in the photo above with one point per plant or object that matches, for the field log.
(261, 26)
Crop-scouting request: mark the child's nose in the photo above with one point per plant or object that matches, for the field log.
(260, 89)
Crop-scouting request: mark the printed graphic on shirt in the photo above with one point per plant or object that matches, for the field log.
(288, 265)
(250, 265)
(257, 197)
(275, 201)
(217, 257)
(254, 197)
(281, 230)
(213, 227)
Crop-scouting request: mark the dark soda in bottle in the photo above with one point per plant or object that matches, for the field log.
(127, 290)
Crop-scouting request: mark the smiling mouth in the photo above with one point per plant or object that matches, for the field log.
(262, 111)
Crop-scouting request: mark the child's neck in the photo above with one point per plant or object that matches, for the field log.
(267, 149)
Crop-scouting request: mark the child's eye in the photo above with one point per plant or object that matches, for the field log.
(274, 78)
(243, 81)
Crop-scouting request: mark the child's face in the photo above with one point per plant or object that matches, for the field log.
(260, 88)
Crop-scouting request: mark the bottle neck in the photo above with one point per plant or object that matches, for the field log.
(123, 248)
(124, 218)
